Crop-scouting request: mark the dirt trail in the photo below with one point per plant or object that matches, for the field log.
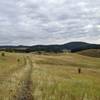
(17, 86)
(25, 92)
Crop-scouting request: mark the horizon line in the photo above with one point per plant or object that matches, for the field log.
(47, 44)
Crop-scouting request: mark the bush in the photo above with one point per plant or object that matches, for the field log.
(79, 70)
(3, 54)
(39, 52)
(18, 60)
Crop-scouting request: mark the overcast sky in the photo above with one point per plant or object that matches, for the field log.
(30, 22)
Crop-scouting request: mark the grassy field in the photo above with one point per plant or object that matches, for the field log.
(49, 77)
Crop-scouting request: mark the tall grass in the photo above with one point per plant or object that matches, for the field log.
(49, 77)
(54, 79)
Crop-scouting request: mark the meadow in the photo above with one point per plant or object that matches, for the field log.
(49, 77)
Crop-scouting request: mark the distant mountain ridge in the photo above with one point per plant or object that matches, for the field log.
(72, 47)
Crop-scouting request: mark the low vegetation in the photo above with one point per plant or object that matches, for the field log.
(58, 77)
(91, 53)
(51, 76)
(2, 54)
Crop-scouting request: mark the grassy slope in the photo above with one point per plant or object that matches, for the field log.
(91, 52)
(9, 74)
(9, 62)
(73, 60)
(49, 77)
(55, 77)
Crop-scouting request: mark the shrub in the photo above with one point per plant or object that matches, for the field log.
(18, 60)
(2, 54)
(39, 52)
(79, 70)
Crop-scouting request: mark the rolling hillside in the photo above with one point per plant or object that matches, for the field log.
(72, 47)
(91, 52)
(49, 77)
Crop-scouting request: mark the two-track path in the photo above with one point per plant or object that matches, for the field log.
(17, 86)
(25, 90)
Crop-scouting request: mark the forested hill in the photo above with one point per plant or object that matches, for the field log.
(71, 47)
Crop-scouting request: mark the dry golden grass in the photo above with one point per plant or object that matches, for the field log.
(91, 52)
(10, 73)
(49, 77)
(56, 77)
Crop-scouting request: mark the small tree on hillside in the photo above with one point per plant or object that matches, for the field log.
(2, 54)
(39, 52)
(79, 70)
(18, 60)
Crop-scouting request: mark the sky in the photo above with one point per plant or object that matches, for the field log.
(31, 22)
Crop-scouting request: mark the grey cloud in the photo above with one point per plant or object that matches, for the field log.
(31, 22)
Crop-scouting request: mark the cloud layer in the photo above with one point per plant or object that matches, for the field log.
(31, 22)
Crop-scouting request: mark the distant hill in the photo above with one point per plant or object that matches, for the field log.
(72, 47)
(9, 48)
(78, 46)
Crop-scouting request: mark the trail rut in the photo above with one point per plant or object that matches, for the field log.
(25, 92)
